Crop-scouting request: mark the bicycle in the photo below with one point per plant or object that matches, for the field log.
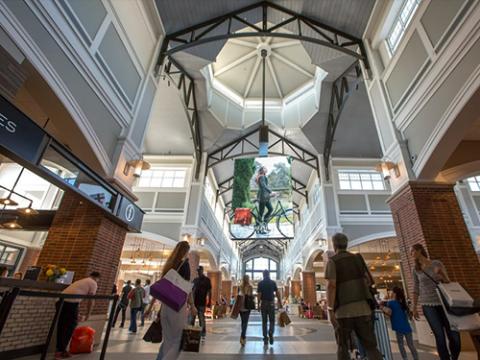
(283, 221)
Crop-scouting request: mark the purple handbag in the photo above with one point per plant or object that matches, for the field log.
(172, 290)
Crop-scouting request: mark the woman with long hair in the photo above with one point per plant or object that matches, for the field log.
(263, 196)
(174, 322)
(426, 275)
(397, 309)
(245, 290)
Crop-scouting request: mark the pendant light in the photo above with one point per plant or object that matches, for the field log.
(27, 211)
(7, 201)
(12, 225)
(263, 139)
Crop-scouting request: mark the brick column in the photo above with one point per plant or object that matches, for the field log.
(215, 277)
(82, 239)
(429, 213)
(286, 291)
(227, 290)
(296, 288)
(309, 288)
(235, 291)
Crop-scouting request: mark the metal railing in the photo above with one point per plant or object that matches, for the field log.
(9, 297)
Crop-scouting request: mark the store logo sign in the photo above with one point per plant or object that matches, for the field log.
(129, 213)
(6, 124)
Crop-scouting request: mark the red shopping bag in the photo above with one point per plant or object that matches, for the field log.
(82, 340)
(243, 216)
(309, 314)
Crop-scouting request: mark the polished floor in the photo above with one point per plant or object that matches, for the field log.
(301, 340)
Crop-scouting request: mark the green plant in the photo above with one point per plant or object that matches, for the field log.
(243, 172)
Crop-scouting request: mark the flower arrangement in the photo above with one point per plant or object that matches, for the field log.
(53, 272)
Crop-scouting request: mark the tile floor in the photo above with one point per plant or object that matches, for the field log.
(301, 340)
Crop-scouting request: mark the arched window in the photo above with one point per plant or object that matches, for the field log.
(255, 267)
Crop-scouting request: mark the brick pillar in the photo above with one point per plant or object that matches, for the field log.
(286, 291)
(30, 259)
(194, 261)
(235, 291)
(227, 290)
(429, 213)
(309, 288)
(215, 277)
(82, 239)
(296, 288)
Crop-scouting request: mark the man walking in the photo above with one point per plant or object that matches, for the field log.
(202, 288)
(347, 295)
(266, 291)
(68, 317)
(123, 303)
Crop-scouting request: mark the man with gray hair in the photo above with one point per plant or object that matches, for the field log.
(347, 297)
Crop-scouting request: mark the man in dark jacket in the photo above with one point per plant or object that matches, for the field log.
(123, 303)
(202, 290)
(347, 297)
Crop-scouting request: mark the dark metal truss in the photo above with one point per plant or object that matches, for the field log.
(223, 27)
(341, 89)
(275, 246)
(236, 149)
(186, 86)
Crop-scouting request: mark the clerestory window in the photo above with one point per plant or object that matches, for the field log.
(163, 178)
(401, 23)
(474, 183)
(360, 180)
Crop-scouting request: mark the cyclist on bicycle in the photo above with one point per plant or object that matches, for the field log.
(263, 196)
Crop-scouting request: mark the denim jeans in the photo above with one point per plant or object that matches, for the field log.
(438, 322)
(410, 344)
(364, 330)
(244, 315)
(201, 319)
(268, 314)
(133, 319)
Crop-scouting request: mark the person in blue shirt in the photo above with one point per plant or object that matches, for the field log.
(397, 309)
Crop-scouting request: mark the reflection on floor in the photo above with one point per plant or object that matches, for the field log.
(301, 340)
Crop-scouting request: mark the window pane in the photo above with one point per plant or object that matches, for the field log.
(367, 185)
(345, 185)
(249, 265)
(354, 176)
(261, 264)
(273, 275)
(273, 265)
(343, 176)
(378, 185)
(356, 185)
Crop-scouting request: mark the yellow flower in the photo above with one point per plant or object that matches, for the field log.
(49, 272)
(63, 271)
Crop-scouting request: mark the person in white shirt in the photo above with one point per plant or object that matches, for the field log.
(146, 299)
(68, 317)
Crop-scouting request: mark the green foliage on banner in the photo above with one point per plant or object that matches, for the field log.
(243, 172)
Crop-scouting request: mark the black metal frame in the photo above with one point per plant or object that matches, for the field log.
(207, 31)
(10, 296)
(225, 152)
(186, 86)
(341, 90)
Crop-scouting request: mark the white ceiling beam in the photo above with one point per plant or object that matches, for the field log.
(285, 44)
(292, 65)
(252, 77)
(274, 77)
(243, 43)
(235, 63)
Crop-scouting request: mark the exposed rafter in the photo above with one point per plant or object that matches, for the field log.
(186, 86)
(244, 146)
(220, 28)
(341, 89)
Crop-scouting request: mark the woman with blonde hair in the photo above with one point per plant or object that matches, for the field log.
(174, 322)
(246, 291)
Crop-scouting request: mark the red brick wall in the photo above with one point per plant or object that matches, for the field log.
(30, 259)
(296, 288)
(216, 280)
(227, 290)
(309, 288)
(429, 213)
(83, 239)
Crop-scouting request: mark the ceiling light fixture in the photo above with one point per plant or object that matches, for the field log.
(263, 134)
(27, 211)
(12, 225)
(7, 201)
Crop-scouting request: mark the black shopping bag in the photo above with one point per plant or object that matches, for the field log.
(154, 332)
(191, 339)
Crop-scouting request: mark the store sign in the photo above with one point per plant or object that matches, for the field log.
(19, 135)
(130, 213)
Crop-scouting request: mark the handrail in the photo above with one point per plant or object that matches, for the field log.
(10, 296)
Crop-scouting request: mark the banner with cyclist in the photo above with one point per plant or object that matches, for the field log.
(262, 198)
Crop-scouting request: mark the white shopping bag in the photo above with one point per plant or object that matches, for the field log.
(461, 323)
(456, 295)
(174, 277)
